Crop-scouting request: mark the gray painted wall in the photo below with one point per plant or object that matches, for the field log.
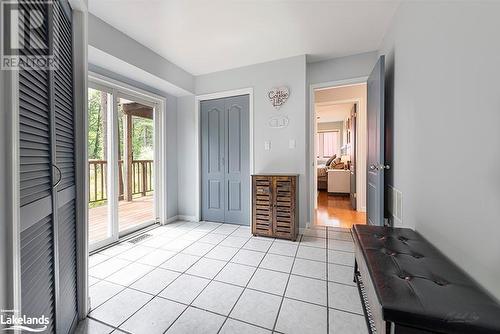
(349, 67)
(261, 77)
(186, 156)
(112, 41)
(442, 89)
(171, 134)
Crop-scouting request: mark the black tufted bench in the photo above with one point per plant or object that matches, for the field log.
(408, 286)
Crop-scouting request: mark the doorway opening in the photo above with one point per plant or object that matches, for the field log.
(339, 155)
(122, 183)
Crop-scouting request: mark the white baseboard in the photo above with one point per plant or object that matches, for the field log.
(187, 218)
(180, 217)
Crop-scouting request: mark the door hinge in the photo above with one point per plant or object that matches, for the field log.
(355, 195)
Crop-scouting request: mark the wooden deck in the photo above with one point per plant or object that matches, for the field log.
(130, 214)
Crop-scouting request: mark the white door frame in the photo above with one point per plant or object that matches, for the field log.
(313, 198)
(197, 120)
(119, 89)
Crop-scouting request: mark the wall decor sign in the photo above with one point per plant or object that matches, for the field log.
(278, 122)
(278, 96)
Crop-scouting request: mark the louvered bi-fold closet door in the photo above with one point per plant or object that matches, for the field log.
(65, 161)
(47, 180)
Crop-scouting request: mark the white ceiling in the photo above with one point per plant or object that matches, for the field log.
(207, 36)
(333, 112)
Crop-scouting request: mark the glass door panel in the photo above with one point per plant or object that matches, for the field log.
(100, 228)
(135, 165)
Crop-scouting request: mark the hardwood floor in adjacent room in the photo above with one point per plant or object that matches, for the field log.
(335, 210)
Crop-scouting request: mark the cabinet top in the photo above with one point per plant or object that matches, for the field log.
(276, 174)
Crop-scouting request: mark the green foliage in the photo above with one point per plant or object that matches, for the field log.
(95, 133)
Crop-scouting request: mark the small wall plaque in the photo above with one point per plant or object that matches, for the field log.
(278, 122)
(278, 96)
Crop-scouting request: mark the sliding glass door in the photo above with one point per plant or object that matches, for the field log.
(122, 163)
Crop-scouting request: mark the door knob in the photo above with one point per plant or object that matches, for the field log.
(379, 167)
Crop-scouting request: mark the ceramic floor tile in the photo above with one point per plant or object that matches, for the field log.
(222, 253)
(234, 241)
(156, 242)
(346, 236)
(156, 257)
(194, 235)
(237, 274)
(174, 233)
(208, 226)
(135, 253)
(313, 242)
(340, 257)
(90, 326)
(96, 259)
(177, 244)
(129, 274)
(340, 245)
(269, 281)
(93, 280)
(155, 281)
(106, 268)
(301, 318)
(225, 229)
(234, 326)
(257, 307)
(195, 321)
(185, 288)
(218, 297)
(256, 244)
(180, 262)
(155, 317)
(309, 268)
(316, 232)
(198, 249)
(307, 289)
(341, 274)
(101, 292)
(347, 323)
(277, 262)
(248, 257)
(120, 307)
(311, 253)
(213, 238)
(281, 248)
(207, 268)
(344, 297)
(117, 249)
(242, 231)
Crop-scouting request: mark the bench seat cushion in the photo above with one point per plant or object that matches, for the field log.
(418, 286)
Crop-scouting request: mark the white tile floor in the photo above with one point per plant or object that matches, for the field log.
(218, 278)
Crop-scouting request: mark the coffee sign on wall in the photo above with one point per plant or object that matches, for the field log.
(278, 96)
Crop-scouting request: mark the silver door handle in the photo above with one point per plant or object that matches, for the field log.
(379, 167)
(60, 176)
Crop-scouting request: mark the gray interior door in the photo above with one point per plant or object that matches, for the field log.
(375, 162)
(212, 159)
(47, 178)
(225, 160)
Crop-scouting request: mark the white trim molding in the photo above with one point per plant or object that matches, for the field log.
(312, 142)
(212, 96)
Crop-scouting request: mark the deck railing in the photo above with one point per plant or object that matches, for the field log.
(141, 179)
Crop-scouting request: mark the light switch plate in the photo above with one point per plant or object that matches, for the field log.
(291, 143)
(267, 145)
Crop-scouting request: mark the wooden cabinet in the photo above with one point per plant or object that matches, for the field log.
(274, 205)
